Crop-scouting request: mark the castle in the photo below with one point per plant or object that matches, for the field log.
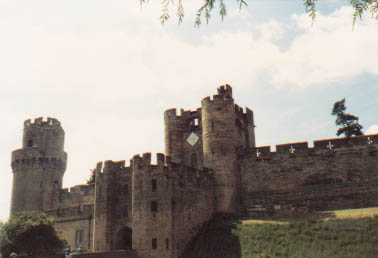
(211, 165)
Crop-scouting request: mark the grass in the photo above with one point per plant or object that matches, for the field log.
(348, 234)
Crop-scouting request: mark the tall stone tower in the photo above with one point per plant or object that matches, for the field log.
(225, 128)
(38, 167)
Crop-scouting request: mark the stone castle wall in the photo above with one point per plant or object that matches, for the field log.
(113, 196)
(72, 221)
(170, 204)
(212, 165)
(342, 175)
(193, 203)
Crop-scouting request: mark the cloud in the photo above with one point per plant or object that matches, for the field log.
(372, 130)
(329, 51)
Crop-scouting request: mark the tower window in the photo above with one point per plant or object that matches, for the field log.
(154, 185)
(154, 206)
(30, 143)
(126, 211)
(167, 243)
(79, 238)
(212, 125)
(194, 161)
(154, 243)
(126, 190)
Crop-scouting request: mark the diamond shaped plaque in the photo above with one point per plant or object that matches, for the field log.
(192, 138)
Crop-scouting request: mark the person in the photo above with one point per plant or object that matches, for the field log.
(68, 251)
(13, 255)
(80, 249)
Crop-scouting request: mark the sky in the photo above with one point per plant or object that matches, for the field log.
(107, 70)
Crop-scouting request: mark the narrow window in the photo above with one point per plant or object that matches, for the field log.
(126, 190)
(154, 185)
(79, 238)
(30, 143)
(238, 126)
(154, 206)
(126, 211)
(154, 243)
(212, 125)
(100, 190)
(194, 161)
(167, 243)
(212, 151)
(196, 121)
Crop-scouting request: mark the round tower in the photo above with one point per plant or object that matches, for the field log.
(175, 130)
(38, 167)
(218, 132)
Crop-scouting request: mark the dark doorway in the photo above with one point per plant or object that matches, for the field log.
(124, 239)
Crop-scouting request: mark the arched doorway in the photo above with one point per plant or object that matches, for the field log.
(123, 239)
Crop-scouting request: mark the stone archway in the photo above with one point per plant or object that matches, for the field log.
(123, 239)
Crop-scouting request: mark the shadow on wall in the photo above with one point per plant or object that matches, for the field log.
(215, 240)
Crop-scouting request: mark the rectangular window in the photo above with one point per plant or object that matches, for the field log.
(154, 185)
(154, 243)
(167, 243)
(79, 238)
(126, 190)
(126, 211)
(154, 206)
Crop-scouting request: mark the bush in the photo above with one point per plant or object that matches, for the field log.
(29, 233)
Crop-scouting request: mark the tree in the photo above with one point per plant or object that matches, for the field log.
(349, 123)
(92, 178)
(359, 6)
(30, 233)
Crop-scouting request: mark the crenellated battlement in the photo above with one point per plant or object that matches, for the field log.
(185, 115)
(144, 161)
(337, 145)
(38, 162)
(225, 90)
(245, 116)
(142, 164)
(81, 189)
(41, 122)
(111, 167)
(74, 211)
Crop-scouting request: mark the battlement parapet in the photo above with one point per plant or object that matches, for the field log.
(184, 114)
(79, 188)
(76, 211)
(245, 116)
(76, 193)
(39, 162)
(35, 152)
(225, 90)
(143, 162)
(224, 97)
(41, 122)
(292, 148)
(142, 165)
(336, 145)
(109, 167)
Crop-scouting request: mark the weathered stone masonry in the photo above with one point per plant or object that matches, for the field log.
(211, 166)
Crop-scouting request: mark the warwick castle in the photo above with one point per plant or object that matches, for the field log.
(211, 165)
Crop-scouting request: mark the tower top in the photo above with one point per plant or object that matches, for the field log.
(40, 122)
(225, 90)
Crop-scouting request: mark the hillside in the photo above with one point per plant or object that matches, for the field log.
(349, 233)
